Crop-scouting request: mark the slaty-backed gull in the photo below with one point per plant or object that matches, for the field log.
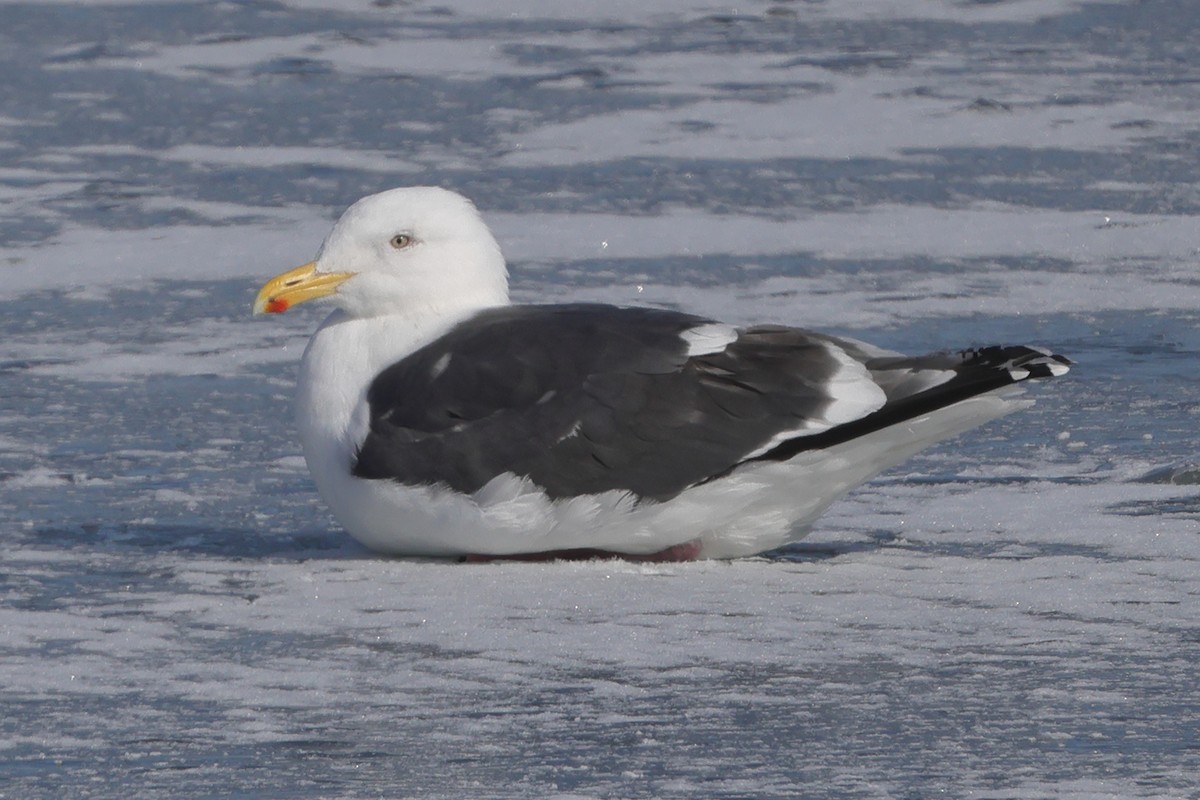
(438, 419)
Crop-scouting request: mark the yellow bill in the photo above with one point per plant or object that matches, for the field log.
(296, 286)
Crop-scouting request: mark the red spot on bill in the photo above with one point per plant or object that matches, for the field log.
(276, 306)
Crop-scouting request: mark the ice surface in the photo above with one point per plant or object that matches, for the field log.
(1011, 615)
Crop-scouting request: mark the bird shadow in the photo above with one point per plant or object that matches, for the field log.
(812, 552)
(246, 543)
(200, 541)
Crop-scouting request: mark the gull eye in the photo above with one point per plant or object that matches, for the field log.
(401, 241)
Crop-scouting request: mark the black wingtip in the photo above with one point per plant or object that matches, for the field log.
(1021, 362)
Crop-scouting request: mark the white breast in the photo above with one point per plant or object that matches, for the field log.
(341, 360)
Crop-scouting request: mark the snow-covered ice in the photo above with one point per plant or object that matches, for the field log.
(1010, 615)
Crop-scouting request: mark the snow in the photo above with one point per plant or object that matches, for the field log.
(1011, 615)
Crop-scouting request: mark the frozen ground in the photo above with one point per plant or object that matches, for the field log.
(1012, 615)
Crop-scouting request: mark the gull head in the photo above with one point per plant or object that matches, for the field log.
(410, 251)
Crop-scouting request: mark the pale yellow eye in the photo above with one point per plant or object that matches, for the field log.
(401, 241)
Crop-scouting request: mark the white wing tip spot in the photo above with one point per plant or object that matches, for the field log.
(439, 366)
(852, 390)
(712, 337)
(573, 431)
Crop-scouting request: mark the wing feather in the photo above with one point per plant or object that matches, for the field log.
(585, 399)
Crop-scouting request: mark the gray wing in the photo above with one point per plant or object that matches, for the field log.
(587, 398)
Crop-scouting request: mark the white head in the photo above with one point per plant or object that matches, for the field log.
(415, 250)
